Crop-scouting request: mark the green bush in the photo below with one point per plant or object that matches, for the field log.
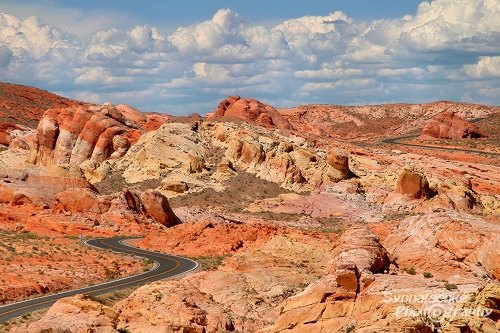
(450, 286)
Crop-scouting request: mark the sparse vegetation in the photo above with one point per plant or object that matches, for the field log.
(210, 263)
(428, 275)
(410, 271)
(80, 263)
(450, 286)
(147, 264)
(350, 328)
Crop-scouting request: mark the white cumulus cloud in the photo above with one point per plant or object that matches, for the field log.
(443, 51)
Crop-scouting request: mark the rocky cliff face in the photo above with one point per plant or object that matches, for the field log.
(449, 125)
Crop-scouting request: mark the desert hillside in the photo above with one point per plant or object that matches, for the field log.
(318, 218)
(25, 105)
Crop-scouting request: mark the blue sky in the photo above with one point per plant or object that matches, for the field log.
(180, 57)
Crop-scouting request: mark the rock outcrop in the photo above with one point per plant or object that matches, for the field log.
(449, 125)
(351, 270)
(279, 161)
(74, 135)
(413, 183)
(174, 147)
(67, 193)
(251, 110)
(338, 159)
(75, 314)
(157, 207)
(146, 120)
(124, 205)
(10, 133)
(446, 243)
(26, 186)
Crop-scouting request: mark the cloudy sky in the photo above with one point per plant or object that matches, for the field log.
(180, 57)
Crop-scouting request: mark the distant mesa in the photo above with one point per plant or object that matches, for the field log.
(251, 110)
(449, 125)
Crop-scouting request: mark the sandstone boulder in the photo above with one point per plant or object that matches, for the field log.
(449, 125)
(338, 159)
(225, 170)
(156, 206)
(412, 183)
(75, 314)
(174, 186)
(252, 110)
(360, 246)
(458, 193)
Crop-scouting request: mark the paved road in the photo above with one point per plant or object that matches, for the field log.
(396, 141)
(167, 266)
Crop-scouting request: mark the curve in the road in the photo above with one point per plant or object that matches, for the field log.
(167, 266)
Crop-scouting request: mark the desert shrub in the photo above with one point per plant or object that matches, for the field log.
(411, 271)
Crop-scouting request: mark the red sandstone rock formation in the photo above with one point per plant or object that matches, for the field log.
(374, 121)
(207, 238)
(150, 204)
(73, 135)
(252, 110)
(5, 131)
(449, 125)
(76, 195)
(157, 207)
(146, 120)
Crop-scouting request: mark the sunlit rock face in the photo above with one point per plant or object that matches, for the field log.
(449, 125)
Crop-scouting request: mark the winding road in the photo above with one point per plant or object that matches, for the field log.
(167, 266)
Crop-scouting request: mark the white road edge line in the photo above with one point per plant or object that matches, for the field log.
(62, 293)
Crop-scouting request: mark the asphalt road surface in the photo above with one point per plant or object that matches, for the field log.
(396, 141)
(167, 266)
